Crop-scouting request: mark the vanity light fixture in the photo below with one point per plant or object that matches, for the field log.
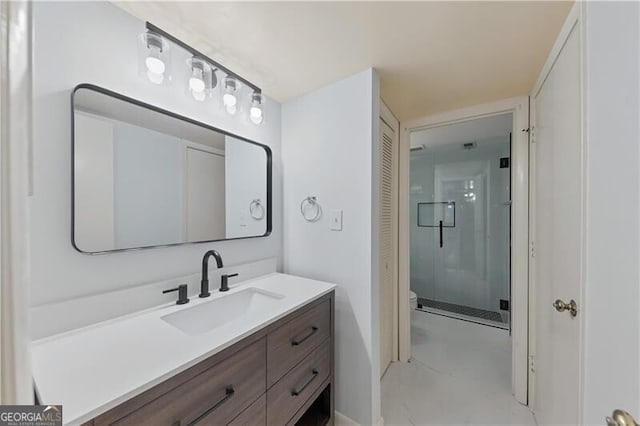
(202, 79)
(202, 71)
(256, 109)
(155, 58)
(230, 89)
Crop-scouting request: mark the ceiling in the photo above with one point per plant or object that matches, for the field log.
(431, 56)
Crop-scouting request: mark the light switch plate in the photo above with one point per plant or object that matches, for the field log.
(335, 217)
(243, 217)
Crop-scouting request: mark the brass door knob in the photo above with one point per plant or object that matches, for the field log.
(621, 418)
(561, 306)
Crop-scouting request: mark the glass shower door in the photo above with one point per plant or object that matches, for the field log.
(460, 243)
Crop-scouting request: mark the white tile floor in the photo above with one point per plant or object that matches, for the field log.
(460, 374)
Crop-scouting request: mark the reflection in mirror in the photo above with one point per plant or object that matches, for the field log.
(144, 177)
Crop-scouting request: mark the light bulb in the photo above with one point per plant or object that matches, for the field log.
(256, 111)
(229, 100)
(255, 114)
(155, 78)
(232, 109)
(198, 96)
(256, 119)
(154, 64)
(196, 85)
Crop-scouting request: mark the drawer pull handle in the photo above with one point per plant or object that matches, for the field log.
(298, 342)
(228, 393)
(296, 392)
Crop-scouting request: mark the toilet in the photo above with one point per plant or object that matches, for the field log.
(413, 300)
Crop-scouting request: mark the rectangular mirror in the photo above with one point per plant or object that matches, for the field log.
(145, 177)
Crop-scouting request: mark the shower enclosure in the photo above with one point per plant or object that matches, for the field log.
(460, 225)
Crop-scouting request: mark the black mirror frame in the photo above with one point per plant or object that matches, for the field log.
(180, 117)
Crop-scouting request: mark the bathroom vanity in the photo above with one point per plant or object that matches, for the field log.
(260, 354)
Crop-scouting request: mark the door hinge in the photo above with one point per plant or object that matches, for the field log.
(532, 364)
(532, 134)
(533, 249)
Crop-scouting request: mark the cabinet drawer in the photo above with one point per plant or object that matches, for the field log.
(286, 397)
(291, 342)
(255, 415)
(217, 395)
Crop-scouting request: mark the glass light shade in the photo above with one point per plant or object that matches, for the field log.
(202, 79)
(256, 108)
(154, 58)
(230, 90)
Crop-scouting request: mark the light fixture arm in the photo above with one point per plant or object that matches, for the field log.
(194, 52)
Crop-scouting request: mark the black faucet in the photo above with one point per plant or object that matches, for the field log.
(204, 283)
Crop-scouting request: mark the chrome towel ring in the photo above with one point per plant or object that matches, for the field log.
(256, 209)
(311, 203)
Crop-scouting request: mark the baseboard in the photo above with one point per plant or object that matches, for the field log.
(342, 420)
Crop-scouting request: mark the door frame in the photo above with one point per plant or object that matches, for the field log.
(519, 281)
(392, 121)
(16, 186)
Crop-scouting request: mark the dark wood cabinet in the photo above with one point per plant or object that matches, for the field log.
(295, 339)
(280, 375)
(290, 393)
(255, 415)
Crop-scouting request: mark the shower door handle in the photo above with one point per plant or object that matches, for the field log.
(440, 226)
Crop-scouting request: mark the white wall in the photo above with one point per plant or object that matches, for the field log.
(95, 42)
(328, 145)
(612, 292)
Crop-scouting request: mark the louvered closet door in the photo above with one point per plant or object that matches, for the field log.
(388, 238)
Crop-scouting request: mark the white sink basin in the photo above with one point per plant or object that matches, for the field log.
(222, 310)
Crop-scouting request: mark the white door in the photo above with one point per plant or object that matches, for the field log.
(557, 235)
(388, 241)
(205, 195)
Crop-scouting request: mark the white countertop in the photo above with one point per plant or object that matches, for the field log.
(93, 369)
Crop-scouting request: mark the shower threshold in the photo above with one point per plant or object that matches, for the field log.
(465, 313)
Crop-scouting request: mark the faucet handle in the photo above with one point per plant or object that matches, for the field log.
(183, 291)
(224, 281)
